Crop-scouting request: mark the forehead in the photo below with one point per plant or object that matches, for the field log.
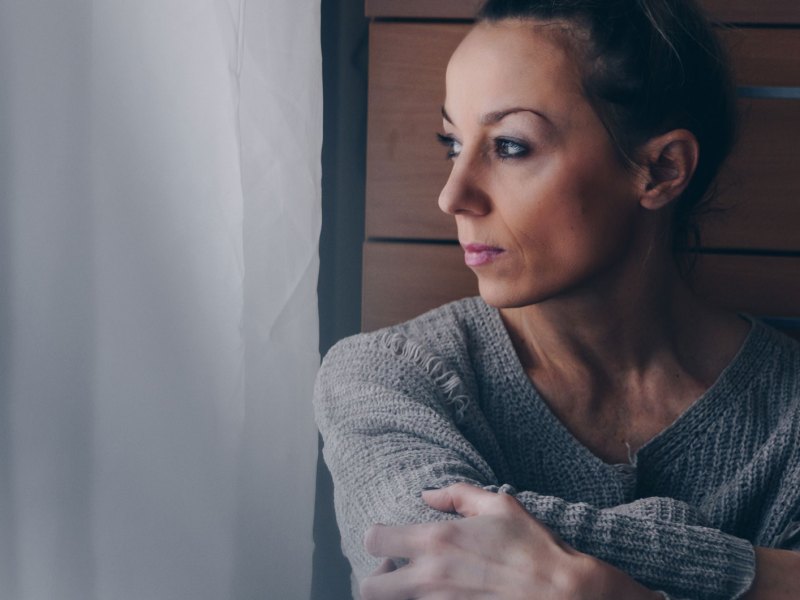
(514, 63)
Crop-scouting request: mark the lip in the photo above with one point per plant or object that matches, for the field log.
(477, 255)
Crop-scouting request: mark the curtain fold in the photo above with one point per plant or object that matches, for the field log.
(158, 263)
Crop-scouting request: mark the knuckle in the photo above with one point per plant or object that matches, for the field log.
(507, 502)
(440, 537)
(434, 573)
(577, 579)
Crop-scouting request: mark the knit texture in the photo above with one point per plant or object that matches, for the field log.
(443, 399)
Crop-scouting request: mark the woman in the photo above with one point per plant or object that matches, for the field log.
(587, 428)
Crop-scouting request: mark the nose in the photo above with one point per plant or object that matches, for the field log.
(463, 193)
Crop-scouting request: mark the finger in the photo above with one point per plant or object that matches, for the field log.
(464, 499)
(401, 541)
(437, 579)
(394, 585)
(387, 566)
(453, 576)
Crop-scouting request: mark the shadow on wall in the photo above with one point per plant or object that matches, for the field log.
(7, 532)
(344, 53)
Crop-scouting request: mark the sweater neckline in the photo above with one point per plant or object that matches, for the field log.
(667, 444)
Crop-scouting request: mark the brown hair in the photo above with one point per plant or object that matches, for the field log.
(650, 66)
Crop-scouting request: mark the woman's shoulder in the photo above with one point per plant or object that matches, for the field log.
(777, 353)
(420, 368)
(444, 331)
(769, 367)
(426, 357)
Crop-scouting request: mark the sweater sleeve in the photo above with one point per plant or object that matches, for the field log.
(685, 560)
(389, 431)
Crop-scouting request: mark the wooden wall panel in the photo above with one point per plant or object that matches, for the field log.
(765, 57)
(754, 11)
(760, 186)
(423, 9)
(760, 285)
(728, 11)
(404, 280)
(406, 168)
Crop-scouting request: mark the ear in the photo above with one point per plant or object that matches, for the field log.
(668, 163)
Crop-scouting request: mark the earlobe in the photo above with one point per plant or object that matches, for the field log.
(669, 162)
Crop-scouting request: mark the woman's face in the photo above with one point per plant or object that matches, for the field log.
(542, 201)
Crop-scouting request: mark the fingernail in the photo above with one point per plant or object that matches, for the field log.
(430, 488)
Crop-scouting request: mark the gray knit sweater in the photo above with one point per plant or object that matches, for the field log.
(443, 398)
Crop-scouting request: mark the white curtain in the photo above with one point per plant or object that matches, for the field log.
(159, 219)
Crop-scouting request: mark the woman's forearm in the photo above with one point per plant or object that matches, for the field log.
(684, 559)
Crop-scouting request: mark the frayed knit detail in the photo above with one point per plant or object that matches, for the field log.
(445, 379)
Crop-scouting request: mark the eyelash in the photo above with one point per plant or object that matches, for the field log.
(448, 142)
(501, 147)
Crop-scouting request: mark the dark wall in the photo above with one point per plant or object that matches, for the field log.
(344, 53)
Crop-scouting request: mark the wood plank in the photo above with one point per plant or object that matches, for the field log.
(759, 285)
(760, 186)
(422, 9)
(727, 11)
(406, 168)
(402, 281)
(786, 12)
(765, 57)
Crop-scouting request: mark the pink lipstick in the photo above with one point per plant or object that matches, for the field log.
(477, 255)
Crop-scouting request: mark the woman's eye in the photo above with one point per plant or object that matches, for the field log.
(506, 148)
(452, 144)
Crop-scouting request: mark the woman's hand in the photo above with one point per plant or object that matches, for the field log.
(777, 575)
(497, 551)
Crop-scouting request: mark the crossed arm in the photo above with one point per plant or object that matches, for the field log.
(381, 459)
(498, 550)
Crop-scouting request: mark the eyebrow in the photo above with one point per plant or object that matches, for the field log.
(497, 116)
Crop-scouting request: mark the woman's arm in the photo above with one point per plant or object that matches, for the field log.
(500, 551)
(388, 434)
(685, 560)
(497, 551)
(777, 575)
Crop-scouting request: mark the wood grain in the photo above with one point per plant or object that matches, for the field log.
(423, 9)
(760, 187)
(786, 12)
(402, 281)
(765, 57)
(759, 285)
(406, 168)
(728, 11)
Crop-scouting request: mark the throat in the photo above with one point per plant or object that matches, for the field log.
(614, 423)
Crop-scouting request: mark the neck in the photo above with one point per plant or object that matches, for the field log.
(620, 358)
(619, 326)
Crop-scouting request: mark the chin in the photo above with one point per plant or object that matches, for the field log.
(517, 292)
(503, 295)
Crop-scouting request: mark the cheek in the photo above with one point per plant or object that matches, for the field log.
(548, 215)
(571, 220)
